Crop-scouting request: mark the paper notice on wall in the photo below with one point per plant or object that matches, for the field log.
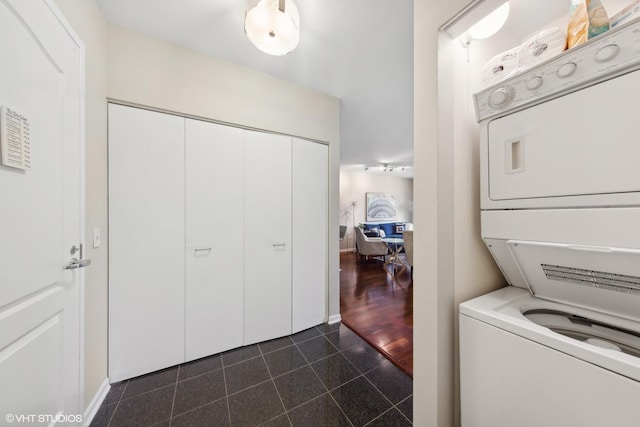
(15, 143)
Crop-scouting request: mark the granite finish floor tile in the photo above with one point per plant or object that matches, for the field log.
(116, 391)
(284, 360)
(364, 357)
(343, 338)
(406, 407)
(391, 381)
(360, 401)
(104, 414)
(391, 418)
(245, 374)
(298, 387)
(335, 370)
(150, 382)
(199, 391)
(145, 409)
(255, 405)
(325, 328)
(324, 376)
(273, 345)
(317, 348)
(306, 335)
(212, 415)
(199, 367)
(240, 354)
(279, 421)
(320, 412)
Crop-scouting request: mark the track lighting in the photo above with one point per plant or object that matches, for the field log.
(386, 167)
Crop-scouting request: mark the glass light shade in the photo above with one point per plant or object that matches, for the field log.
(490, 24)
(272, 30)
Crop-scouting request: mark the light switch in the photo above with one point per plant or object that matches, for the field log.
(96, 238)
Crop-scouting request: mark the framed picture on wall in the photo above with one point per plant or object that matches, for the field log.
(381, 206)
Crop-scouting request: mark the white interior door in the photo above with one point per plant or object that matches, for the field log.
(147, 241)
(267, 236)
(310, 233)
(42, 215)
(215, 238)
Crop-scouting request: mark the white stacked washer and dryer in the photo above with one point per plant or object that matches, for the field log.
(560, 213)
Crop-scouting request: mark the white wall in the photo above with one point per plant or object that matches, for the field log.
(353, 188)
(86, 20)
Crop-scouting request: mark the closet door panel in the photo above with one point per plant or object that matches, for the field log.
(215, 238)
(310, 233)
(146, 241)
(267, 236)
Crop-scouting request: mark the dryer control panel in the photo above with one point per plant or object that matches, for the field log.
(613, 53)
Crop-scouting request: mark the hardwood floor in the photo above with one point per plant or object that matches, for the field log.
(378, 307)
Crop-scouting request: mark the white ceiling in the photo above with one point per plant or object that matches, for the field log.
(360, 51)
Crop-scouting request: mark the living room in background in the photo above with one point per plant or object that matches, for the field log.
(354, 186)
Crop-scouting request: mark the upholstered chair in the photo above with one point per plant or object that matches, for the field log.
(370, 246)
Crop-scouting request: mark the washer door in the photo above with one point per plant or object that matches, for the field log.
(590, 331)
(602, 279)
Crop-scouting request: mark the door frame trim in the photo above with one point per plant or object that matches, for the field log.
(57, 13)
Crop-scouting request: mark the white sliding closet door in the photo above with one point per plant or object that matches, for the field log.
(267, 236)
(215, 238)
(146, 241)
(310, 233)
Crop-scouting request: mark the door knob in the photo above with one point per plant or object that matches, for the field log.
(77, 262)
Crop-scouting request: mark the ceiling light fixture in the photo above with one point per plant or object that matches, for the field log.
(273, 26)
(480, 20)
(490, 24)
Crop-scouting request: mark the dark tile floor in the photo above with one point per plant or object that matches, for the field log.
(324, 376)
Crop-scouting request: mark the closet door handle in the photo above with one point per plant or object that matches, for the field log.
(196, 250)
(279, 245)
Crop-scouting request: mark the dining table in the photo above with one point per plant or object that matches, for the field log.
(395, 245)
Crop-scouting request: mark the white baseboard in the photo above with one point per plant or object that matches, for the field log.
(92, 409)
(334, 319)
(347, 250)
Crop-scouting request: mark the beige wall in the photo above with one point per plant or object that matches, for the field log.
(137, 69)
(86, 19)
(433, 398)
(146, 71)
(353, 188)
(447, 237)
(475, 271)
